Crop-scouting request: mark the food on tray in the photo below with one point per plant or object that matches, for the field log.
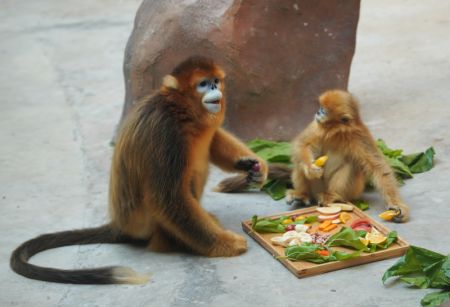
(345, 217)
(375, 237)
(293, 237)
(344, 207)
(328, 217)
(362, 224)
(305, 237)
(329, 210)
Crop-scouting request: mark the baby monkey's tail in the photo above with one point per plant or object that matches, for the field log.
(240, 182)
(104, 275)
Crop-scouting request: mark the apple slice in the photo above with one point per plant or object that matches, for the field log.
(328, 210)
(344, 207)
(328, 217)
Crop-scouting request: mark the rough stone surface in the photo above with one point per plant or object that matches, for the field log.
(278, 55)
(61, 91)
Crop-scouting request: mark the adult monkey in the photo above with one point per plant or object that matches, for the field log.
(159, 170)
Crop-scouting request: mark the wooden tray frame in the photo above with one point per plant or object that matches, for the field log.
(304, 268)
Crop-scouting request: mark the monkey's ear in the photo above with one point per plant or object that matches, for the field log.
(170, 81)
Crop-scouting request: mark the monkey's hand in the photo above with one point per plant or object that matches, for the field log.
(402, 212)
(312, 171)
(256, 170)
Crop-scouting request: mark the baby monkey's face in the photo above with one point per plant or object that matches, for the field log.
(321, 115)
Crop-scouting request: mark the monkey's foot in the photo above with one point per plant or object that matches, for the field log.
(325, 199)
(402, 213)
(297, 200)
(229, 244)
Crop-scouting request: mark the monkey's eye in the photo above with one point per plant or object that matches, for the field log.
(345, 120)
(202, 87)
(216, 81)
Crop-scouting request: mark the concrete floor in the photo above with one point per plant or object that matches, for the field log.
(61, 94)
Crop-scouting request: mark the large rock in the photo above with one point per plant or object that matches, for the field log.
(278, 55)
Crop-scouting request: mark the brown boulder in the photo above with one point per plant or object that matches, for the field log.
(278, 55)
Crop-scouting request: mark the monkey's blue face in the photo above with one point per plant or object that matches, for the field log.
(211, 94)
(321, 115)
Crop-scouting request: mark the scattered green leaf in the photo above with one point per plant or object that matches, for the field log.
(275, 188)
(362, 204)
(423, 268)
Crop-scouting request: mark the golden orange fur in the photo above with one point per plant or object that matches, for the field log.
(339, 133)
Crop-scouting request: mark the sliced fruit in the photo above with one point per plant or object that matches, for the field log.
(279, 241)
(375, 237)
(287, 221)
(328, 210)
(345, 217)
(361, 224)
(344, 207)
(388, 215)
(336, 221)
(330, 228)
(328, 217)
(363, 227)
(321, 161)
(324, 225)
(364, 241)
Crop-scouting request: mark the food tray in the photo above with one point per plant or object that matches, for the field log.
(304, 268)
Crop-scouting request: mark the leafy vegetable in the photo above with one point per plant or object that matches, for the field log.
(309, 252)
(275, 188)
(362, 204)
(271, 151)
(404, 166)
(348, 237)
(420, 162)
(388, 152)
(423, 268)
(435, 299)
(267, 225)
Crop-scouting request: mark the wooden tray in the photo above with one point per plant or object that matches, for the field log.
(304, 268)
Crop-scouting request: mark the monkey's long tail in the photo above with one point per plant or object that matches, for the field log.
(240, 183)
(104, 275)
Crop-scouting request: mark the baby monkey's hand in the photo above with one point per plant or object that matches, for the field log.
(313, 171)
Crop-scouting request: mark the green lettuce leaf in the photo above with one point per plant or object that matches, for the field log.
(347, 237)
(421, 268)
(388, 152)
(308, 252)
(267, 225)
(420, 162)
(435, 299)
(275, 188)
(271, 151)
(361, 204)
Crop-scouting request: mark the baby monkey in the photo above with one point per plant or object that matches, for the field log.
(353, 158)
